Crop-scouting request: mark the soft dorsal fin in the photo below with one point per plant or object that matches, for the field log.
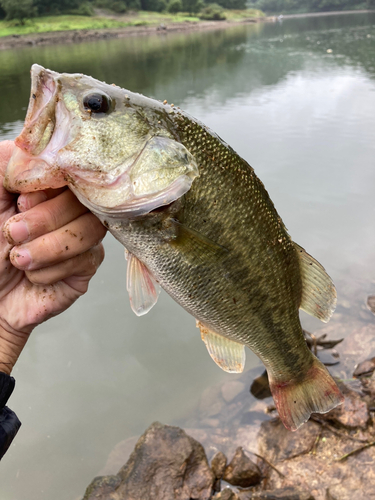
(318, 291)
(141, 285)
(227, 354)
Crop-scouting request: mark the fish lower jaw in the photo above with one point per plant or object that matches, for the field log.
(26, 173)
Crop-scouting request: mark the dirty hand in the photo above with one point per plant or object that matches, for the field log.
(49, 250)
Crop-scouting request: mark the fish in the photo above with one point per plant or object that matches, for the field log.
(194, 219)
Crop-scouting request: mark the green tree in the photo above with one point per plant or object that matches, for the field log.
(192, 6)
(56, 6)
(175, 6)
(18, 9)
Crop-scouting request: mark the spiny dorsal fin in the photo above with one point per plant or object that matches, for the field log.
(141, 285)
(227, 354)
(318, 291)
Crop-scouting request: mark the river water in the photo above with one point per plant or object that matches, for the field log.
(296, 99)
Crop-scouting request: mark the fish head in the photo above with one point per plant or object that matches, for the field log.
(112, 147)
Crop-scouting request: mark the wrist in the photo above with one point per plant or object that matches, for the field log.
(11, 345)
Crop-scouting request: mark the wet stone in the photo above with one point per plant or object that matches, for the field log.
(365, 368)
(218, 464)
(166, 463)
(277, 443)
(368, 387)
(260, 388)
(371, 303)
(102, 487)
(352, 414)
(281, 494)
(226, 494)
(242, 471)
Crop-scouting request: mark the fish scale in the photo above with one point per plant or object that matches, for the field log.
(194, 219)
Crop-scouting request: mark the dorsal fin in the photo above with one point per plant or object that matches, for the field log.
(318, 291)
(141, 285)
(227, 354)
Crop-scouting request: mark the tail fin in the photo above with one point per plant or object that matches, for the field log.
(317, 392)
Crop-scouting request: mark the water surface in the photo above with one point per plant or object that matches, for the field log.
(296, 99)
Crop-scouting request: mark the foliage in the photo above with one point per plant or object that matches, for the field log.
(175, 6)
(57, 6)
(233, 4)
(154, 5)
(312, 5)
(192, 6)
(18, 9)
(212, 12)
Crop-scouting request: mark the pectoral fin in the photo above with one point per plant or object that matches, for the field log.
(141, 285)
(227, 354)
(197, 243)
(318, 291)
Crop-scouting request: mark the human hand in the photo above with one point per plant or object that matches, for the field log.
(49, 251)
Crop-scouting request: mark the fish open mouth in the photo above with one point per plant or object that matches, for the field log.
(40, 118)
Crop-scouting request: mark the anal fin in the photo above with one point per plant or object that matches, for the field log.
(318, 291)
(141, 285)
(227, 354)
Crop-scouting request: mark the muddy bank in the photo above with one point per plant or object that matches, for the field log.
(77, 36)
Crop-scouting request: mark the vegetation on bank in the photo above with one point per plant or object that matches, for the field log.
(140, 18)
(22, 11)
(305, 6)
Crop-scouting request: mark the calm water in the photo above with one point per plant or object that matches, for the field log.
(304, 119)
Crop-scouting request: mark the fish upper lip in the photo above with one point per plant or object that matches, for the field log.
(40, 117)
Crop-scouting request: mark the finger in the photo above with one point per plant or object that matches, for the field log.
(29, 200)
(6, 150)
(69, 241)
(43, 218)
(76, 272)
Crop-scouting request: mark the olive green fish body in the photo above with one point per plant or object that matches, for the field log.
(250, 291)
(193, 218)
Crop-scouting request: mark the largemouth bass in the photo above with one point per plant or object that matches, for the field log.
(193, 218)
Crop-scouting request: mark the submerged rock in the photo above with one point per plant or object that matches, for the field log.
(165, 464)
(352, 414)
(365, 368)
(242, 471)
(289, 493)
(226, 494)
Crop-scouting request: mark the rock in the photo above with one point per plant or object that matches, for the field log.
(368, 387)
(242, 471)
(102, 487)
(371, 303)
(352, 414)
(232, 389)
(166, 463)
(260, 388)
(365, 368)
(277, 443)
(218, 464)
(226, 494)
(279, 494)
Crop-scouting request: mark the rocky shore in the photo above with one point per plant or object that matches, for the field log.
(238, 449)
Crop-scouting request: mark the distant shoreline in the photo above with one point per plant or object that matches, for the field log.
(78, 36)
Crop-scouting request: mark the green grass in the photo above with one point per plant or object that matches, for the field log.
(141, 18)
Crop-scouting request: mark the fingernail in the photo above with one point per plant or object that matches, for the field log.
(18, 231)
(21, 257)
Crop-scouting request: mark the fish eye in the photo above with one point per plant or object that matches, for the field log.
(97, 103)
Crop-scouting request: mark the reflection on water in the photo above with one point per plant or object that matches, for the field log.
(296, 100)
